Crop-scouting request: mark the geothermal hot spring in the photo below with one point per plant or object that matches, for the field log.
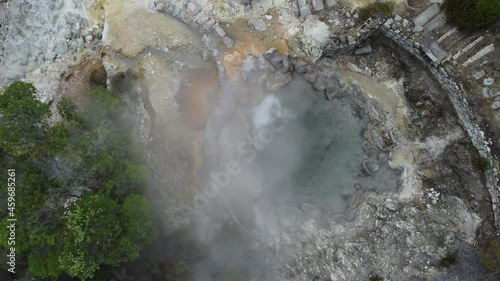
(272, 173)
(275, 162)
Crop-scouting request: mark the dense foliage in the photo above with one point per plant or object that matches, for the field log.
(472, 14)
(385, 8)
(77, 184)
(23, 119)
(491, 258)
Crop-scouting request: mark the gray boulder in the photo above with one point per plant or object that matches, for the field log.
(311, 39)
(488, 81)
(364, 50)
(299, 65)
(249, 65)
(479, 74)
(228, 42)
(258, 24)
(274, 58)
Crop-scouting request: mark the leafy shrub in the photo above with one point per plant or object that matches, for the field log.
(88, 150)
(449, 259)
(67, 109)
(23, 119)
(472, 14)
(386, 8)
(491, 258)
(376, 277)
(482, 163)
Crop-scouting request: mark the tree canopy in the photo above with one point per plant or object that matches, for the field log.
(78, 184)
(23, 119)
(472, 14)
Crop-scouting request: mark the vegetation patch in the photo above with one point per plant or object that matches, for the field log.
(386, 8)
(491, 258)
(482, 163)
(78, 187)
(449, 259)
(472, 14)
(375, 277)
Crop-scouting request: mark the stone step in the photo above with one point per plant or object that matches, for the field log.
(437, 22)
(304, 8)
(487, 41)
(331, 3)
(447, 34)
(489, 58)
(317, 5)
(440, 31)
(427, 15)
(480, 54)
(455, 41)
(464, 49)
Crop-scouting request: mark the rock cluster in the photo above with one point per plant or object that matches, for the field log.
(407, 35)
(195, 16)
(276, 68)
(353, 38)
(405, 247)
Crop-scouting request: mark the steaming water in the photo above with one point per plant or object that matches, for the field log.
(312, 157)
(317, 158)
(299, 148)
(304, 149)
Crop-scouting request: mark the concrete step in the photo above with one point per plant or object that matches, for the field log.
(465, 46)
(307, 7)
(440, 31)
(331, 3)
(489, 57)
(444, 33)
(304, 8)
(427, 15)
(437, 22)
(480, 50)
(455, 41)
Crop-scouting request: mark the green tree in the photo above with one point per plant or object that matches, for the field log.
(88, 150)
(23, 119)
(102, 232)
(386, 8)
(491, 258)
(472, 14)
(92, 229)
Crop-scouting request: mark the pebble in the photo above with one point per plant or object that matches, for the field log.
(364, 50)
(488, 81)
(417, 28)
(479, 74)
(351, 40)
(268, 17)
(228, 42)
(220, 31)
(485, 92)
(258, 24)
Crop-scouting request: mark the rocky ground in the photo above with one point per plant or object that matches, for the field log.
(176, 76)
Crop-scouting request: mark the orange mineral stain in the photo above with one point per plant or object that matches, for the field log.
(195, 110)
(250, 42)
